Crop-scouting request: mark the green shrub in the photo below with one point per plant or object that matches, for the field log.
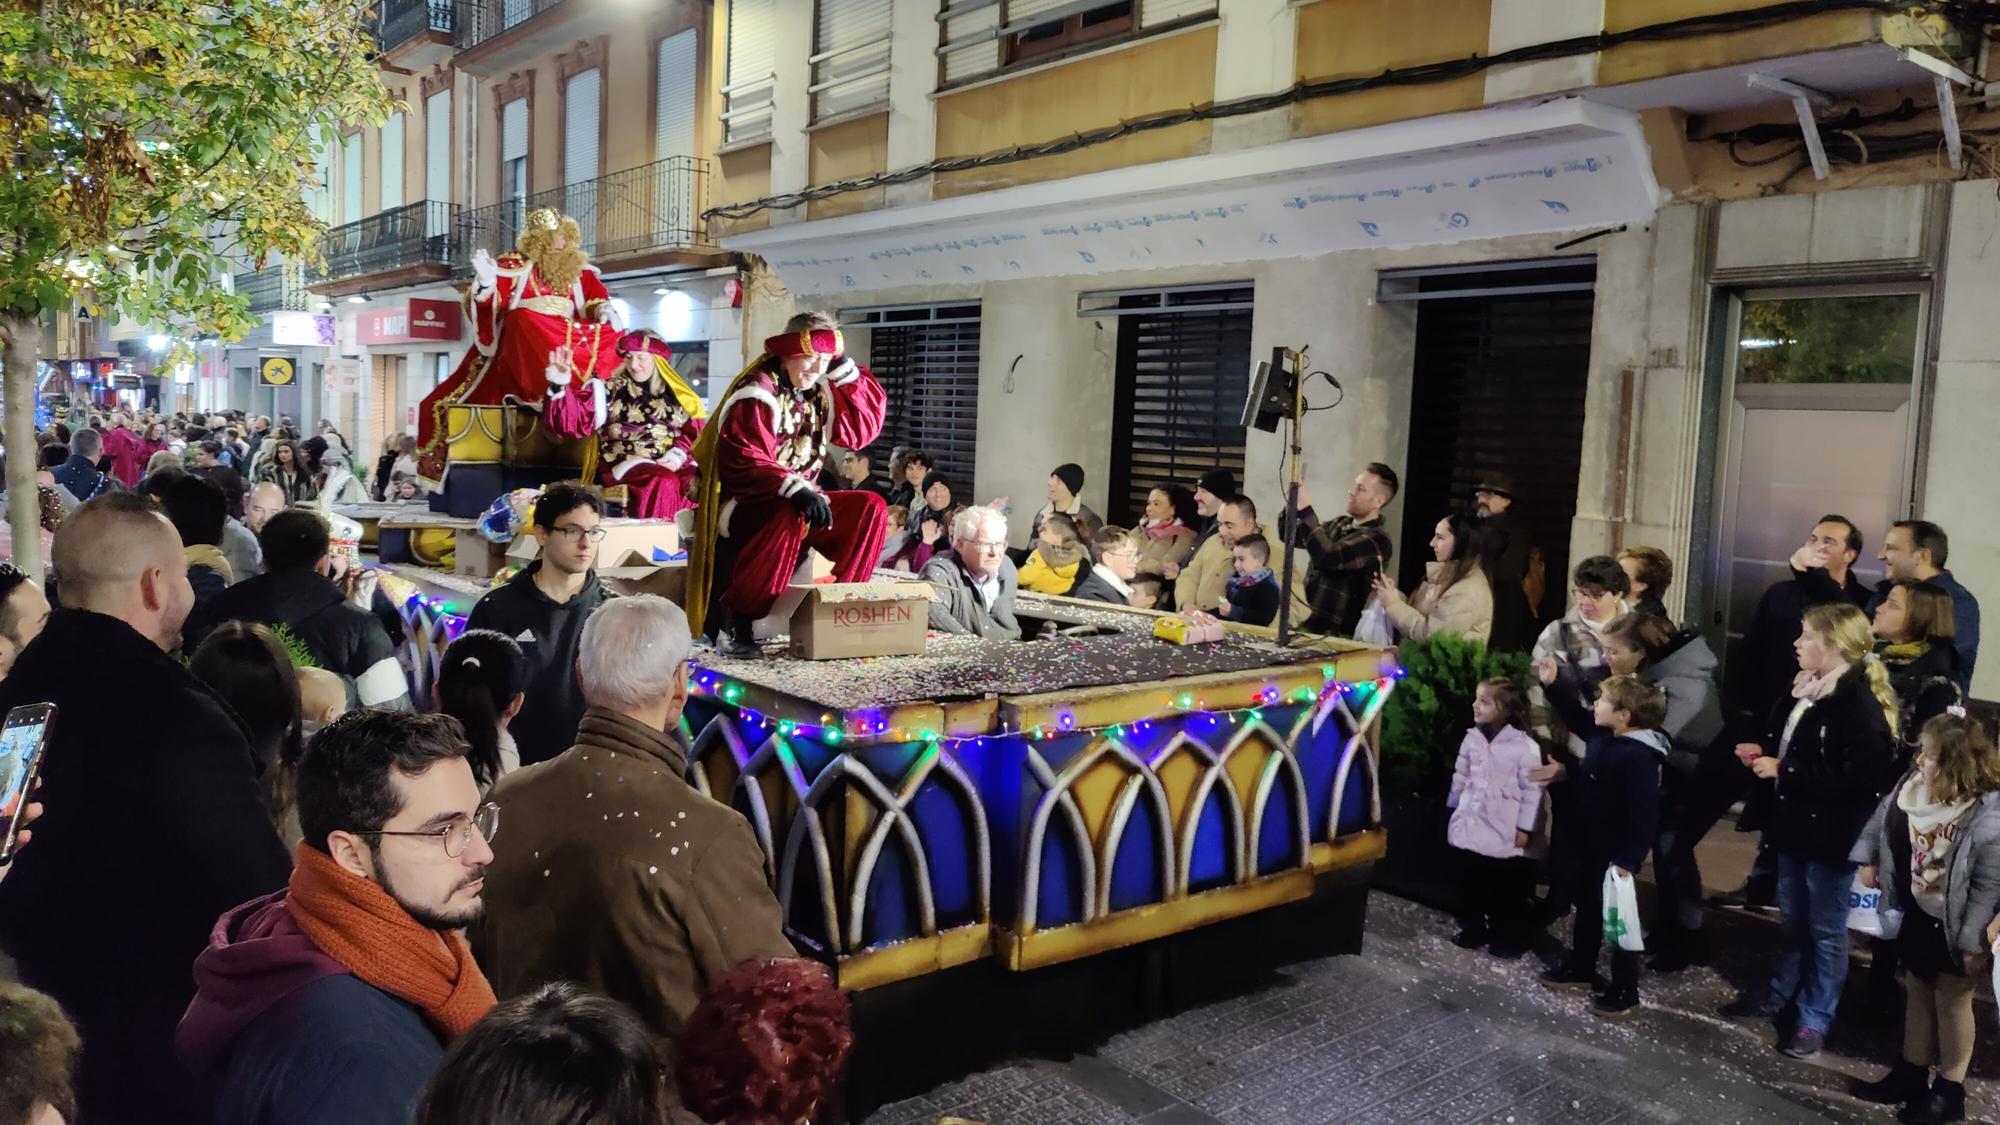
(1427, 716)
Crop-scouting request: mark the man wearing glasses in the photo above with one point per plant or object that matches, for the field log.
(976, 582)
(1117, 564)
(543, 608)
(333, 999)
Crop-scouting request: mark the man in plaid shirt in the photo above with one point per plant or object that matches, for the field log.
(1347, 553)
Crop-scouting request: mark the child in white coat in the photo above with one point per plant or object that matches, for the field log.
(1494, 806)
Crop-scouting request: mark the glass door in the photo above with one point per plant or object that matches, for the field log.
(1818, 417)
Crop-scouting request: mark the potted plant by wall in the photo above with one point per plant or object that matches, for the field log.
(1422, 725)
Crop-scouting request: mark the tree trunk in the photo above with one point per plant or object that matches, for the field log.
(20, 339)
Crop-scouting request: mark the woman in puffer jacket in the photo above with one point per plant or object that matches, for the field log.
(1933, 849)
(1494, 806)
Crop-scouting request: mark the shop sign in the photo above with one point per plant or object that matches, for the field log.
(412, 322)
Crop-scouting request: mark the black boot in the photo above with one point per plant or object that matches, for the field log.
(1905, 1082)
(1685, 948)
(1944, 1101)
(742, 636)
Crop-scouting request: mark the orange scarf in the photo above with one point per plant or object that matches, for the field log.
(357, 924)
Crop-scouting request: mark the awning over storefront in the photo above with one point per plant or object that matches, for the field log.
(1562, 165)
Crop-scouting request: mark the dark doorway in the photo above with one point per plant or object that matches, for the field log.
(1503, 359)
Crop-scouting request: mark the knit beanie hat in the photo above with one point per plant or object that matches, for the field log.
(1071, 476)
(1219, 482)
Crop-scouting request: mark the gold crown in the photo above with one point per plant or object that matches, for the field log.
(544, 218)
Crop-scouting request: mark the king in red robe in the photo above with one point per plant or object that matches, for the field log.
(541, 303)
(760, 502)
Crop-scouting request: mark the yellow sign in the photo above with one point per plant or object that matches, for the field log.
(278, 372)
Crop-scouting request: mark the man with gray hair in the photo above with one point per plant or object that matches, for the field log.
(616, 873)
(976, 582)
(79, 474)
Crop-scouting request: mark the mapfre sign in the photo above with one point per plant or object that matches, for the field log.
(414, 321)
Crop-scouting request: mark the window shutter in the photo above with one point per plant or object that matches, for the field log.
(437, 146)
(1153, 13)
(753, 62)
(320, 199)
(927, 359)
(1021, 13)
(514, 130)
(392, 162)
(350, 179)
(674, 97)
(1182, 378)
(851, 56)
(582, 95)
(971, 45)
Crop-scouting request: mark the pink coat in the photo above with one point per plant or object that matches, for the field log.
(1491, 797)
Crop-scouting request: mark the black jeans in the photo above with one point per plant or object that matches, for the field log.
(1495, 896)
(1587, 935)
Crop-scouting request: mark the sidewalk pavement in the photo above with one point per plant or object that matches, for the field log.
(1414, 1029)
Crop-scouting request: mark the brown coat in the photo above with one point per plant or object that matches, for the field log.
(612, 871)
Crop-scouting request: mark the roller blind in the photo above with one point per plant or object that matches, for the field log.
(437, 146)
(350, 179)
(392, 162)
(1153, 13)
(320, 199)
(514, 130)
(851, 56)
(1181, 381)
(753, 59)
(582, 95)
(977, 31)
(927, 359)
(674, 97)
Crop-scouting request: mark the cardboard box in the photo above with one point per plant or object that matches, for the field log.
(475, 556)
(842, 620)
(668, 581)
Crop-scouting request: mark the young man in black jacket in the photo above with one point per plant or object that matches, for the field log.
(543, 608)
(296, 591)
(1617, 783)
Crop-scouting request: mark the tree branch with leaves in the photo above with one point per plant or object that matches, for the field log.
(134, 135)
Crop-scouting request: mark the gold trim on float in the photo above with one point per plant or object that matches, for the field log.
(1022, 952)
(1352, 850)
(907, 960)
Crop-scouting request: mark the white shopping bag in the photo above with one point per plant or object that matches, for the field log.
(1374, 627)
(1996, 963)
(1621, 911)
(1865, 914)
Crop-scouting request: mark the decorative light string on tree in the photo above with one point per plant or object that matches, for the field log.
(832, 730)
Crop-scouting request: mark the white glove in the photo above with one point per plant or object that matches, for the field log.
(558, 377)
(674, 459)
(842, 372)
(485, 271)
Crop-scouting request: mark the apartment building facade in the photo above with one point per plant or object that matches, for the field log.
(599, 108)
(1588, 243)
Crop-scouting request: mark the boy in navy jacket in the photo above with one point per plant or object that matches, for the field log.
(1618, 794)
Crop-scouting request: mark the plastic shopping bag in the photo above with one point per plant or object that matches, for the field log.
(1621, 911)
(1996, 963)
(1374, 627)
(1865, 914)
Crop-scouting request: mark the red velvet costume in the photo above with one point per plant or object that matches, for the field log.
(516, 326)
(769, 442)
(645, 427)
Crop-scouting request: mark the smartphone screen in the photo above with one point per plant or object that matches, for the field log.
(22, 738)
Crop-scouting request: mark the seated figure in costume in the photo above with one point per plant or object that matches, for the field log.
(645, 419)
(527, 307)
(760, 502)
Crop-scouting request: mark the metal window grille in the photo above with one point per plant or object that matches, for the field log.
(1183, 372)
(927, 360)
(850, 62)
(753, 63)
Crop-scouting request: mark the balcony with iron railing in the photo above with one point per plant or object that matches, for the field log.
(278, 286)
(652, 210)
(404, 245)
(399, 22)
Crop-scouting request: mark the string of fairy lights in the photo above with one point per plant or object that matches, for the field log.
(832, 729)
(1187, 706)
